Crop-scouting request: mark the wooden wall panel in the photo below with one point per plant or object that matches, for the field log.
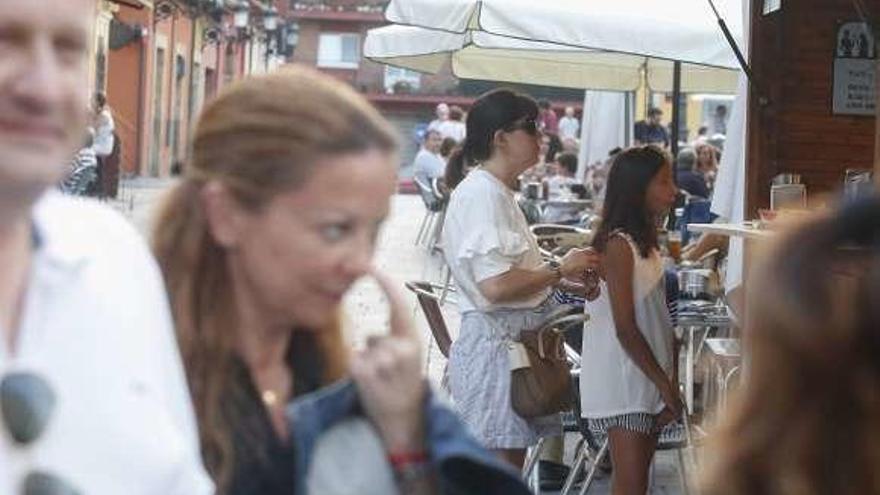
(792, 57)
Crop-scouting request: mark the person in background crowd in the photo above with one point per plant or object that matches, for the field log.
(82, 178)
(596, 186)
(719, 120)
(702, 136)
(717, 141)
(550, 146)
(598, 179)
(570, 145)
(258, 249)
(652, 130)
(560, 187)
(707, 163)
(453, 127)
(630, 331)
(447, 146)
(566, 168)
(548, 123)
(804, 417)
(689, 180)
(102, 122)
(428, 165)
(442, 113)
(569, 125)
(103, 125)
(92, 388)
(504, 285)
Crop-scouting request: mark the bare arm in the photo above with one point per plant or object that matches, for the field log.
(618, 268)
(572, 287)
(518, 283)
(705, 244)
(579, 288)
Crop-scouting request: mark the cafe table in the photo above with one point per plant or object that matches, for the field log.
(748, 231)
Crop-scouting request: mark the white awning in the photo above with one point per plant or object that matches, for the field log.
(585, 44)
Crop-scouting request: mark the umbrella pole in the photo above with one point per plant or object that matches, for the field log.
(676, 107)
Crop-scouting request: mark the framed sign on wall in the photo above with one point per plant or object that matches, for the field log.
(855, 54)
(771, 6)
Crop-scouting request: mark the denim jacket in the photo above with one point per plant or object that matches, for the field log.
(460, 464)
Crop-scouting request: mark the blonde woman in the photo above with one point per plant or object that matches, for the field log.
(278, 215)
(707, 163)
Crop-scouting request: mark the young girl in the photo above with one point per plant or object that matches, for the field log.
(628, 384)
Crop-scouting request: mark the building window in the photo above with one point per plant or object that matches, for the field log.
(339, 50)
(398, 80)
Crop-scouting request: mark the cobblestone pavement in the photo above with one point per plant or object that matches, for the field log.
(365, 308)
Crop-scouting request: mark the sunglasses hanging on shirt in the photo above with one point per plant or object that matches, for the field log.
(27, 403)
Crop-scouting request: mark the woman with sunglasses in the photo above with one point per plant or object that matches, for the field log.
(503, 282)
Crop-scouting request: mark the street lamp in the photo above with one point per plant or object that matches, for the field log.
(270, 19)
(292, 38)
(241, 15)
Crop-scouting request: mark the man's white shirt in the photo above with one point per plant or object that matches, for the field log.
(96, 327)
(568, 128)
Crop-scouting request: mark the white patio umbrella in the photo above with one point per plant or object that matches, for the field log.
(481, 55)
(588, 44)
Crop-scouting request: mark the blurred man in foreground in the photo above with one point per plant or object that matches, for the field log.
(91, 386)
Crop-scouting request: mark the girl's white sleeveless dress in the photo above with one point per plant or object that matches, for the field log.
(614, 390)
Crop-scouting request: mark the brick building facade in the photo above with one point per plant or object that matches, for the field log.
(158, 61)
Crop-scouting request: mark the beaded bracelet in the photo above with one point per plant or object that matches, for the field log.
(409, 466)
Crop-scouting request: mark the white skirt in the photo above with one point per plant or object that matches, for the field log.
(479, 378)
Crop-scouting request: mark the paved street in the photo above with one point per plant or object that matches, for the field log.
(365, 307)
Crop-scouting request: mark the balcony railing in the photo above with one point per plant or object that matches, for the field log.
(339, 6)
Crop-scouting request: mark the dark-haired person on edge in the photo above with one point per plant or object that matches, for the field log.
(92, 389)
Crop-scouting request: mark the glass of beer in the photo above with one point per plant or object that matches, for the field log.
(673, 245)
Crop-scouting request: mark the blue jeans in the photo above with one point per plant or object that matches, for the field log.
(460, 464)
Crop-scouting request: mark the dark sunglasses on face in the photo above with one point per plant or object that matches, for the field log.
(27, 402)
(530, 126)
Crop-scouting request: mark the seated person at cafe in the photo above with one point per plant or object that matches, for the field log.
(560, 184)
(688, 179)
(652, 131)
(428, 165)
(560, 188)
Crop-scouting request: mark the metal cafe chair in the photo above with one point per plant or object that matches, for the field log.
(448, 286)
(429, 301)
(565, 318)
(433, 206)
(440, 216)
(675, 436)
(726, 358)
(558, 239)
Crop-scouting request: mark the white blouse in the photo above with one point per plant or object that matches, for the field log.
(104, 127)
(486, 234)
(96, 327)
